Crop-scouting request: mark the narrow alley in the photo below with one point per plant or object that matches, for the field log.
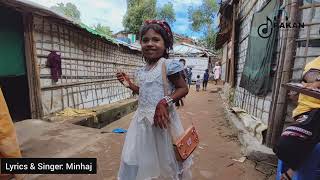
(214, 159)
(71, 72)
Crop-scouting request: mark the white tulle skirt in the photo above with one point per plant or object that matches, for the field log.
(148, 151)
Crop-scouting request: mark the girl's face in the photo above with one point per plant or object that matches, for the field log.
(152, 45)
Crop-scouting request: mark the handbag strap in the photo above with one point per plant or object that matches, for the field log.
(164, 78)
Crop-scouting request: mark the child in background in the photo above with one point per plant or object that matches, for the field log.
(205, 80)
(184, 76)
(198, 83)
(189, 77)
(217, 72)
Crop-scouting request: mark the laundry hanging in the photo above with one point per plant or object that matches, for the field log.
(54, 63)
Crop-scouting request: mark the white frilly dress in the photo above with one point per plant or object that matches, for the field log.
(148, 152)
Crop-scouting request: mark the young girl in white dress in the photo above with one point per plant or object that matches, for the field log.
(148, 149)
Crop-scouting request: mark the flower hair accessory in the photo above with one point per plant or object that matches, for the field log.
(163, 24)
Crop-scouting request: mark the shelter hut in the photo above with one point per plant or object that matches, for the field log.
(29, 34)
(197, 58)
(254, 70)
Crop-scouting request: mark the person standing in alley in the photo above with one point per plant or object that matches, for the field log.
(185, 70)
(148, 151)
(205, 80)
(217, 72)
(189, 77)
(184, 76)
(198, 83)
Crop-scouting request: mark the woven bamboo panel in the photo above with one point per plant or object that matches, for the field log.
(89, 64)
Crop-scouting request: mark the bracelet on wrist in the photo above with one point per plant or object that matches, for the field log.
(168, 100)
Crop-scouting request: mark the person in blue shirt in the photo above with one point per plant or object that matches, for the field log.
(184, 76)
(189, 76)
(205, 80)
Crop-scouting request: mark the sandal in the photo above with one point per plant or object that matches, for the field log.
(286, 176)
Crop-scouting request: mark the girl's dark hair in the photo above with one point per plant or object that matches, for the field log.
(182, 60)
(168, 41)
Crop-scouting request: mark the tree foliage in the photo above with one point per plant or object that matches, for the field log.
(105, 30)
(137, 12)
(210, 39)
(202, 19)
(68, 9)
(140, 10)
(167, 13)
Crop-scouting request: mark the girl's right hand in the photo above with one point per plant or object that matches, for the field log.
(161, 116)
(123, 79)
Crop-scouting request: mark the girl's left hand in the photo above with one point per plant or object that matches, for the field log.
(161, 116)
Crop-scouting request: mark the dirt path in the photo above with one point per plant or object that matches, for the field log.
(212, 159)
(219, 144)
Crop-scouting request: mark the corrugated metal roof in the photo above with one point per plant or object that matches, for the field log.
(190, 50)
(28, 6)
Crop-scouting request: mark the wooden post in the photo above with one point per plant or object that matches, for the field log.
(233, 34)
(276, 85)
(32, 70)
(281, 105)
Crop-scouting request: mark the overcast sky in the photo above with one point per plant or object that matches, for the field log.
(111, 12)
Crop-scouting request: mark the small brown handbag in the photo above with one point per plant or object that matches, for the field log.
(189, 140)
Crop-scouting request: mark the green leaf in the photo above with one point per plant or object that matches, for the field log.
(103, 30)
(167, 13)
(69, 10)
(138, 11)
(202, 20)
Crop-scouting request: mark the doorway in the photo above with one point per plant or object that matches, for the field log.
(13, 76)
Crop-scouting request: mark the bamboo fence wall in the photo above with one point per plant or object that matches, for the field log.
(254, 105)
(89, 64)
(308, 43)
(308, 48)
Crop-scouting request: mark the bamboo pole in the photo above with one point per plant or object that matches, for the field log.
(281, 105)
(51, 92)
(72, 92)
(310, 6)
(277, 84)
(82, 42)
(61, 90)
(32, 70)
(57, 86)
(249, 10)
(308, 34)
(95, 71)
(233, 34)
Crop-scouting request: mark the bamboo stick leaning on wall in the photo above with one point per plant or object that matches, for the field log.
(281, 105)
